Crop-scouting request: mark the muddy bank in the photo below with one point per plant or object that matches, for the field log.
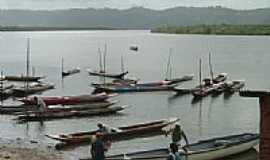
(25, 150)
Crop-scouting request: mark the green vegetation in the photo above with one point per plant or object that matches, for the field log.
(223, 29)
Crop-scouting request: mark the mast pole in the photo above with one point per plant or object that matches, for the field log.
(200, 73)
(62, 66)
(104, 58)
(2, 86)
(27, 64)
(122, 64)
(210, 67)
(104, 61)
(100, 60)
(168, 69)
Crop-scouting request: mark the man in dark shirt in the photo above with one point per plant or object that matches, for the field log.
(98, 148)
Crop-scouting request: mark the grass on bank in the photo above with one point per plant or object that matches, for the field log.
(223, 29)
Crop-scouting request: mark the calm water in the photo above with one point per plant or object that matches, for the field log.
(242, 57)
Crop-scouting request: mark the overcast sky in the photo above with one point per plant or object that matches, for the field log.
(123, 4)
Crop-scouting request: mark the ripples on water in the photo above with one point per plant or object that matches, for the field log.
(242, 57)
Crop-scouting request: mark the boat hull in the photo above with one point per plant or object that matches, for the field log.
(68, 114)
(135, 88)
(23, 78)
(128, 132)
(110, 75)
(68, 100)
(203, 150)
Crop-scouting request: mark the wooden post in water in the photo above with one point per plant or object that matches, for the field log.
(264, 99)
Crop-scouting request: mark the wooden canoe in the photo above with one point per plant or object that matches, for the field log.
(11, 109)
(135, 88)
(23, 78)
(66, 108)
(69, 100)
(116, 82)
(220, 78)
(215, 148)
(234, 86)
(70, 72)
(126, 132)
(181, 79)
(67, 114)
(32, 89)
(110, 75)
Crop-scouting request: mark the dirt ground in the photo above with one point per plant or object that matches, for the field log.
(10, 153)
(19, 150)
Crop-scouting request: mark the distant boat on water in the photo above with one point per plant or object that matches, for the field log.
(29, 88)
(26, 78)
(69, 72)
(102, 71)
(134, 48)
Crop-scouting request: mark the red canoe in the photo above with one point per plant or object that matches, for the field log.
(69, 100)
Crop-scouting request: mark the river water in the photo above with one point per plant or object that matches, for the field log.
(242, 57)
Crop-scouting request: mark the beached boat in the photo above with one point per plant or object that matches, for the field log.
(210, 149)
(234, 86)
(123, 133)
(11, 109)
(69, 100)
(32, 89)
(70, 72)
(37, 116)
(77, 107)
(134, 88)
(6, 91)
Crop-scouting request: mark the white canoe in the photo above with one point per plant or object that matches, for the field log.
(203, 150)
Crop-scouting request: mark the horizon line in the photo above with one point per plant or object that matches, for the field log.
(132, 7)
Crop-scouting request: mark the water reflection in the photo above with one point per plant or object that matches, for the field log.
(200, 121)
(196, 100)
(176, 97)
(227, 95)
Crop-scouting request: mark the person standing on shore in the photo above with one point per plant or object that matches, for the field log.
(41, 105)
(178, 134)
(174, 154)
(98, 148)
